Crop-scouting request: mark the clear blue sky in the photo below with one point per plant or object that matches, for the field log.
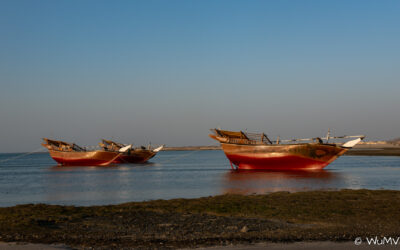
(167, 71)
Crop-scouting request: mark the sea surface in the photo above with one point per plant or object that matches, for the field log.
(36, 178)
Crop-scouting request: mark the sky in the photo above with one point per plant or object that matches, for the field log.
(166, 72)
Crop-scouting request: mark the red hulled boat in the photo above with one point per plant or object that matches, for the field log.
(111, 153)
(130, 154)
(257, 152)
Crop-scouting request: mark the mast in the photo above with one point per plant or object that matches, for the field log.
(328, 135)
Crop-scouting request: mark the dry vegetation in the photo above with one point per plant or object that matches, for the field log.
(279, 217)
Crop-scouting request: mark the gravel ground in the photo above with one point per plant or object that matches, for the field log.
(226, 220)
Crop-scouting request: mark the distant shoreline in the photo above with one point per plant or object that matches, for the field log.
(366, 149)
(191, 148)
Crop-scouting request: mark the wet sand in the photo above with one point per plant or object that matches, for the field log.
(226, 220)
(30, 246)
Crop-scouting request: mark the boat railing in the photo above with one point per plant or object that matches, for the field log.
(243, 141)
(262, 139)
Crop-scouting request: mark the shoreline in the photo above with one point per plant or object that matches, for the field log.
(282, 217)
(314, 245)
(382, 149)
(367, 149)
(191, 148)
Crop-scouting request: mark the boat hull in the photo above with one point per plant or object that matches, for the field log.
(100, 158)
(136, 156)
(281, 157)
(89, 158)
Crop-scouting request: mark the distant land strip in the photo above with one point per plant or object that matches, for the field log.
(367, 149)
(187, 148)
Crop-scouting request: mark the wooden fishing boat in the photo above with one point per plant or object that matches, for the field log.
(71, 154)
(130, 154)
(257, 152)
(111, 153)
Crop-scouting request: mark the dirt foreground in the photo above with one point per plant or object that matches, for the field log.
(338, 216)
(315, 245)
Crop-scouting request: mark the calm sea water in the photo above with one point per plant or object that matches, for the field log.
(176, 174)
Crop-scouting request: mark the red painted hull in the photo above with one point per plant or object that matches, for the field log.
(100, 157)
(91, 158)
(281, 157)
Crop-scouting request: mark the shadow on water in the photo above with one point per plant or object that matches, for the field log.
(260, 182)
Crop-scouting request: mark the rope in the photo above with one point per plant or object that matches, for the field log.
(41, 149)
(184, 155)
(179, 157)
(163, 162)
(109, 162)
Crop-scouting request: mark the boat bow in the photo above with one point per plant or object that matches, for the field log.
(256, 151)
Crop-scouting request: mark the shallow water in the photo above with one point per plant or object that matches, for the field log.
(36, 178)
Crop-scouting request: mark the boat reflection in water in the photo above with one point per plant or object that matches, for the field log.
(97, 167)
(261, 182)
(94, 185)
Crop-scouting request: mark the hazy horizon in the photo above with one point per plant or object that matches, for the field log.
(166, 72)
